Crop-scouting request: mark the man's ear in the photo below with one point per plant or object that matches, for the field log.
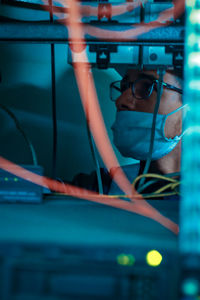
(180, 128)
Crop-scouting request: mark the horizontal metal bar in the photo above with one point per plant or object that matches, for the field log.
(36, 5)
(45, 32)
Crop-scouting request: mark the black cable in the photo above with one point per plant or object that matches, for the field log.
(36, 5)
(53, 91)
(54, 159)
(18, 126)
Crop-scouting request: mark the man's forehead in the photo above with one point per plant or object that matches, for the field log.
(133, 74)
(168, 76)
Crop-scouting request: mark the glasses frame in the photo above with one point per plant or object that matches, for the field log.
(131, 84)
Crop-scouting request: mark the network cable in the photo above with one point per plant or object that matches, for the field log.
(172, 184)
(151, 182)
(171, 188)
(161, 73)
(95, 159)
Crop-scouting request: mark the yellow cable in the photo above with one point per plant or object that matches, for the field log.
(147, 196)
(160, 195)
(129, 196)
(170, 185)
(152, 175)
(165, 187)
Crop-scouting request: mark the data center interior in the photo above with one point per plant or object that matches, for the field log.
(58, 60)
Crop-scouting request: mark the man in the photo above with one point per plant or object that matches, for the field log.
(171, 100)
(135, 103)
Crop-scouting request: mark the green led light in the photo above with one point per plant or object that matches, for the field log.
(6, 178)
(125, 259)
(190, 287)
(16, 179)
(153, 258)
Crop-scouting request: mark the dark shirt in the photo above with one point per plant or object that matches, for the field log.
(90, 182)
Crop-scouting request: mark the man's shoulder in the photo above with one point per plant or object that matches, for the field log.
(90, 182)
(131, 171)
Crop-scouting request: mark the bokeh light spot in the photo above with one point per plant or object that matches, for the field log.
(190, 287)
(153, 258)
(125, 259)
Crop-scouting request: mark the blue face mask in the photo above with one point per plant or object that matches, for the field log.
(132, 135)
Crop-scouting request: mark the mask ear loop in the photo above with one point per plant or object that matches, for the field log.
(161, 73)
(184, 106)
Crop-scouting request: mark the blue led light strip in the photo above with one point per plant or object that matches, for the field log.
(190, 190)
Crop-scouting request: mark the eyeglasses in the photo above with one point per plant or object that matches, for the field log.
(141, 88)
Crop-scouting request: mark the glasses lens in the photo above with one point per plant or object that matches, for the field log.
(115, 90)
(142, 88)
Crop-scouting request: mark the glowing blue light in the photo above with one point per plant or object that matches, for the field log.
(194, 59)
(190, 287)
(195, 16)
(190, 187)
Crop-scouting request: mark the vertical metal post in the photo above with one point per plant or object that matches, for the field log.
(53, 91)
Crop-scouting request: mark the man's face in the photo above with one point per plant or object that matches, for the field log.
(170, 100)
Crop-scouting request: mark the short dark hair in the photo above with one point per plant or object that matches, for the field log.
(179, 73)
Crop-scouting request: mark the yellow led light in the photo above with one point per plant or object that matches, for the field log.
(153, 258)
(125, 259)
